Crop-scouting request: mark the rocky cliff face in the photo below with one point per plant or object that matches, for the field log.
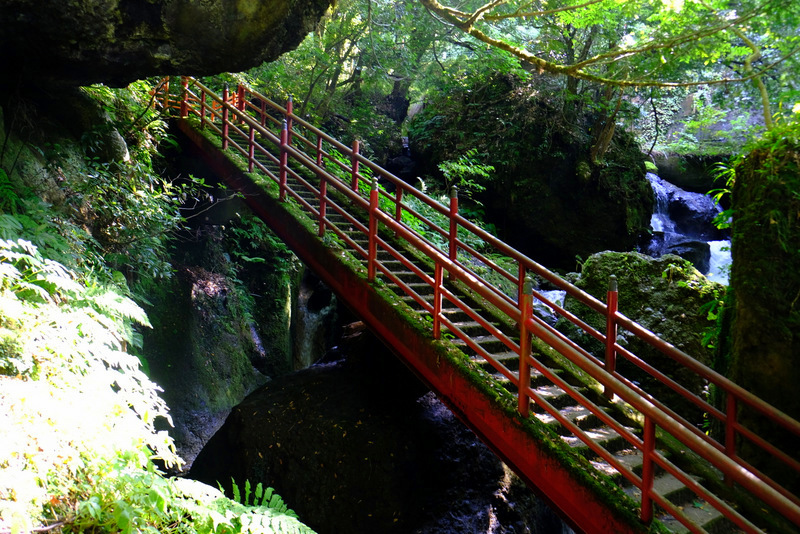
(546, 196)
(80, 42)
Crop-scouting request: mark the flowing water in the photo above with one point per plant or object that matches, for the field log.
(682, 224)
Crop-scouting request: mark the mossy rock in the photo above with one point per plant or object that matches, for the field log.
(547, 197)
(765, 277)
(666, 295)
(121, 42)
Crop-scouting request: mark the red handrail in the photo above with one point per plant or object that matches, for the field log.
(258, 114)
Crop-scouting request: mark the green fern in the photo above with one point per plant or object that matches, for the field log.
(9, 199)
(265, 514)
(263, 498)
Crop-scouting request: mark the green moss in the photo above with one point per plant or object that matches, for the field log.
(766, 279)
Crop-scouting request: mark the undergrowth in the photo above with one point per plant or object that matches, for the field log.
(79, 447)
(78, 414)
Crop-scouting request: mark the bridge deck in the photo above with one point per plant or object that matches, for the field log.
(602, 464)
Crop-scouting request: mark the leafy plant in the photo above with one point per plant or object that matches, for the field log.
(261, 497)
(78, 414)
(466, 172)
(9, 199)
(726, 171)
(253, 237)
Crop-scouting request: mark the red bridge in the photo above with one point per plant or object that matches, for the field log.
(456, 305)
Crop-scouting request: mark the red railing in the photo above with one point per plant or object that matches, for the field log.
(256, 128)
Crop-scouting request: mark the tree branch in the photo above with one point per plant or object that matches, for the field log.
(531, 14)
(458, 18)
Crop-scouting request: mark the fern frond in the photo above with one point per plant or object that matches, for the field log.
(237, 496)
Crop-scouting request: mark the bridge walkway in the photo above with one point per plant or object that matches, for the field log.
(604, 436)
(456, 305)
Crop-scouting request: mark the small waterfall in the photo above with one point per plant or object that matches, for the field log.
(660, 220)
(682, 224)
(556, 296)
(719, 266)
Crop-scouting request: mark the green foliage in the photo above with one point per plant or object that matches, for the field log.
(9, 199)
(132, 214)
(252, 237)
(213, 513)
(261, 497)
(72, 398)
(79, 415)
(131, 210)
(82, 422)
(726, 172)
(466, 172)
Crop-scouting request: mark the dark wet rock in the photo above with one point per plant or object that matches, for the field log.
(356, 446)
(404, 168)
(696, 251)
(694, 215)
(80, 42)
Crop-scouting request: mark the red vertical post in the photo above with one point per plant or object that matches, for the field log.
(648, 473)
(372, 254)
(521, 273)
(323, 189)
(225, 97)
(354, 162)
(251, 149)
(730, 431)
(240, 100)
(453, 243)
(185, 97)
(203, 110)
(283, 163)
(526, 312)
(612, 300)
(289, 121)
(437, 301)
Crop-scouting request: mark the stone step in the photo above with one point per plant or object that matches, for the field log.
(490, 344)
(452, 314)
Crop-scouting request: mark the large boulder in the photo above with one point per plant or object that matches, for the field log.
(80, 42)
(201, 350)
(669, 297)
(357, 446)
(765, 278)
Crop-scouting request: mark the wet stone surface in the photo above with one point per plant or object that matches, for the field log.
(358, 445)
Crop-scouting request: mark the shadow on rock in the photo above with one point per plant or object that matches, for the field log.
(357, 446)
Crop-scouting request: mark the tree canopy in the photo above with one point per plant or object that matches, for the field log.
(644, 43)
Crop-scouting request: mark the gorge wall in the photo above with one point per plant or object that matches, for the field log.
(81, 42)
